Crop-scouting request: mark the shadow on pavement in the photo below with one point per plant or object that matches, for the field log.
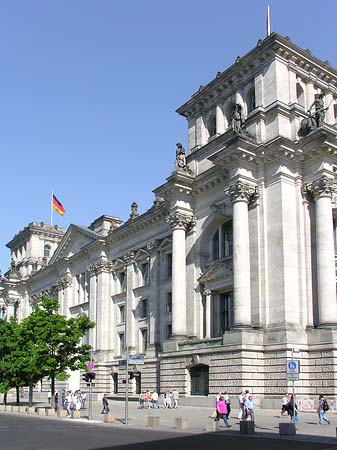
(221, 441)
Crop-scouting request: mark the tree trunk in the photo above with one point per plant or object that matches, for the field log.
(5, 398)
(30, 395)
(17, 394)
(52, 388)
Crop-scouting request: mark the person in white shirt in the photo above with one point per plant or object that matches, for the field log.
(155, 399)
(69, 401)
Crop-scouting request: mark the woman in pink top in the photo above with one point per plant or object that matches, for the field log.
(222, 411)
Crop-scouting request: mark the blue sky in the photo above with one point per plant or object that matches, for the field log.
(89, 91)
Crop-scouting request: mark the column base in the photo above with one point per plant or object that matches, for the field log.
(330, 325)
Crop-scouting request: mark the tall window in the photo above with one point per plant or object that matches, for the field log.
(121, 314)
(122, 280)
(168, 331)
(144, 269)
(46, 251)
(143, 309)
(222, 241)
(121, 343)
(169, 265)
(168, 303)
(300, 95)
(211, 126)
(143, 343)
(250, 99)
(226, 311)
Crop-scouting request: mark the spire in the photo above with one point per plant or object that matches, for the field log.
(268, 22)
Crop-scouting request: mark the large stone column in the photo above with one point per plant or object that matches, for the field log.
(103, 305)
(241, 194)
(92, 271)
(179, 223)
(322, 190)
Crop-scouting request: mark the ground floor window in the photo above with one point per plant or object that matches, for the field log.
(199, 379)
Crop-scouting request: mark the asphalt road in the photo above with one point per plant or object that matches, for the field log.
(23, 432)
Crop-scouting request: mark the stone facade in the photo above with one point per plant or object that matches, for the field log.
(233, 265)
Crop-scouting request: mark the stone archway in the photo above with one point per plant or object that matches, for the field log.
(199, 379)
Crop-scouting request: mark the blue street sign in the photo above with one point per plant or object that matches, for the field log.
(293, 366)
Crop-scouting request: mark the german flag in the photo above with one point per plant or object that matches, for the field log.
(58, 206)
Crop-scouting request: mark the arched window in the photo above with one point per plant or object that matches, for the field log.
(222, 241)
(46, 251)
(250, 100)
(211, 126)
(300, 95)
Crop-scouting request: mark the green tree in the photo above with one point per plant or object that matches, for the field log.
(54, 342)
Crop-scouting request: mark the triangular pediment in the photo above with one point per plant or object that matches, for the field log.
(218, 270)
(73, 241)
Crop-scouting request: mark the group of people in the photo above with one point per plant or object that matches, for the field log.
(71, 400)
(150, 399)
(289, 406)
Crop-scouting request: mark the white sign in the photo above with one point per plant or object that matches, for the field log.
(136, 359)
(293, 366)
(293, 376)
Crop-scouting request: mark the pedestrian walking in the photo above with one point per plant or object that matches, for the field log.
(175, 397)
(293, 410)
(322, 408)
(242, 398)
(68, 403)
(222, 411)
(56, 401)
(105, 404)
(155, 399)
(228, 403)
(284, 406)
(249, 409)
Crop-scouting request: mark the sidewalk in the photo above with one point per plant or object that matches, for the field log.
(267, 421)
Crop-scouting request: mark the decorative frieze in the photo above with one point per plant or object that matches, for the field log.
(66, 281)
(183, 221)
(12, 301)
(242, 191)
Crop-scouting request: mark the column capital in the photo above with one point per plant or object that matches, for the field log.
(322, 187)
(12, 301)
(99, 266)
(181, 221)
(208, 292)
(241, 191)
(66, 281)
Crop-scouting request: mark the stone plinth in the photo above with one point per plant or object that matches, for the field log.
(108, 418)
(247, 427)
(62, 413)
(76, 414)
(153, 421)
(30, 410)
(2, 407)
(8, 408)
(288, 429)
(50, 412)
(15, 408)
(181, 423)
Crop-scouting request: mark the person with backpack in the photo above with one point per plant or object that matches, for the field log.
(293, 409)
(322, 408)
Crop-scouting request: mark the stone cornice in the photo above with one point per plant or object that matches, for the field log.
(321, 141)
(178, 184)
(237, 149)
(273, 47)
(53, 233)
(210, 179)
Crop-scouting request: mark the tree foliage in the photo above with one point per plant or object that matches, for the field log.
(44, 344)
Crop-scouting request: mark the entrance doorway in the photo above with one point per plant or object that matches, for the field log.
(138, 377)
(199, 380)
(115, 383)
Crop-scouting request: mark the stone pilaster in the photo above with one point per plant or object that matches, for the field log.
(153, 328)
(130, 320)
(208, 315)
(12, 304)
(241, 194)
(322, 190)
(103, 305)
(180, 223)
(92, 271)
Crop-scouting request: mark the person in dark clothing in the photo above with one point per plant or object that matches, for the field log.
(105, 403)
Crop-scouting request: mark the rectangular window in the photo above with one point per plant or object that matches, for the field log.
(168, 305)
(143, 312)
(169, 265)
(144, 269)
(143, 340)
(226, 312)
(168, 331)
(121, 314)
(121, 343)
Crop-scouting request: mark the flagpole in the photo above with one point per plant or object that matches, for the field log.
(51, 208)
(268, 32)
